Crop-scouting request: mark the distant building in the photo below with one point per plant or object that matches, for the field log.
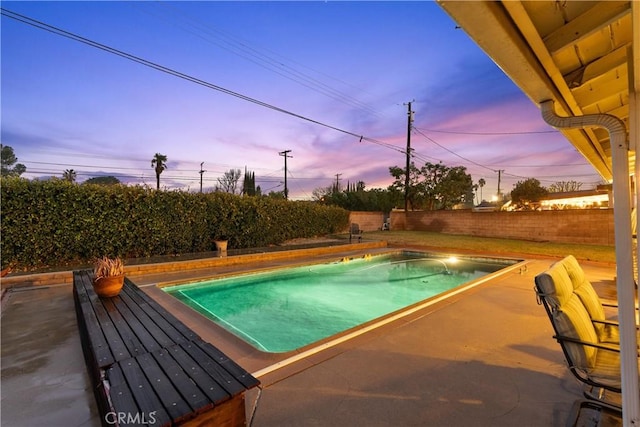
(597, 198)
(485, 207)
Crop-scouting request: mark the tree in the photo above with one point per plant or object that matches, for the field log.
(69, 175)
(434, 186)
(279, 195)
(320, 194)
(249, 184)
(356, 198)
(415, 191)
(564, 186)
(159, 161)
(229, 181)
(527, 193)
(455, 187)
(481, 183)
(103, 180)
(7, 161)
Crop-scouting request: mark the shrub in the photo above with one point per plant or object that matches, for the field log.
(57, 223)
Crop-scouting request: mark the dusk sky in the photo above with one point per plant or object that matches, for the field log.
(339, 70)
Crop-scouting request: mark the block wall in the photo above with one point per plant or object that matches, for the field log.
(368, 221)
(583, 226)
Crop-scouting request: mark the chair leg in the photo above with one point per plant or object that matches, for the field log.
(590, 413)
(598, 394)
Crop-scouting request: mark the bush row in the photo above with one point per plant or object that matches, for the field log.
(55, 223)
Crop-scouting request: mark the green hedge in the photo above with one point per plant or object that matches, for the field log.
(55, 223)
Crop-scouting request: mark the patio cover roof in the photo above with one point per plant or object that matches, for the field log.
(577, 53)
(585, 57)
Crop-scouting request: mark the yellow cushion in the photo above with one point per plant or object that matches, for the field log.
(583, 288)
(573, 321)
(555, 284)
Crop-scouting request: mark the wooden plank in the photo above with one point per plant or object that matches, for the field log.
(211, 366)
(158, 334)
(127, 336)
(98, 345)
(133, 322)
(166, 391)
(143, 298)
(91, 332)
(238, 372)
(229, 414)
(174, 329)
(116, 345)
(210, 387)
(144, 395)
(594, 19)
(120, 394)
(192, 394)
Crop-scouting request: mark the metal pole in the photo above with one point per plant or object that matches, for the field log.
(624, 260)
(285, 154)
(201, 173)
(406, 178)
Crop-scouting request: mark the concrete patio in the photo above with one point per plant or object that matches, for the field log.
(485, 357)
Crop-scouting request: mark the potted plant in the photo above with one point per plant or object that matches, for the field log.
(221, 243)
(108, 276)
(220, 239)
(6, 269)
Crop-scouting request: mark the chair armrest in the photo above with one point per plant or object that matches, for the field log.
(611, 305)
(602, 346)
(612, 323)
(606, 322)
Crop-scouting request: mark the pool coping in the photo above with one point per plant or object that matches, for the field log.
(221, 259)
(273, 367)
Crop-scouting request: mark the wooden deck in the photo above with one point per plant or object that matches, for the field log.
(148, 368)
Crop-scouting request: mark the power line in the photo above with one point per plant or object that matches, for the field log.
(299, 187)
(452, 152)
(502, 166)
(41, 25)
(129, 159)
(55, 30)
(107, 170)
(490, 133)
(544, 166)
(241, 48)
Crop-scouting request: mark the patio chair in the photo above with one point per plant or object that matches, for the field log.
(355, 232)
(592, 361)
(607, 330)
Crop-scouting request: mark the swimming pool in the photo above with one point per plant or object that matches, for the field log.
(286, 309)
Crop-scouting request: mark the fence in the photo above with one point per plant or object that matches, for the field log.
(583, 226)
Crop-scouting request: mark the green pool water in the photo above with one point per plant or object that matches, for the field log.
(286, 309)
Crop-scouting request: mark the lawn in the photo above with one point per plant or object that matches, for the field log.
(488, 245)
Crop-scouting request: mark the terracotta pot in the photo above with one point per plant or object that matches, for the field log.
(108, 287)
(221, 245)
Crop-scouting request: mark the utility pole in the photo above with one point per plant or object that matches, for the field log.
(337, 182)
(499, 177)
(285, 154)
(201, 173)
(406, 178)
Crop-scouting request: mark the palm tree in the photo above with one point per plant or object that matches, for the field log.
(69, 175)
(159, 161)
(481, 183)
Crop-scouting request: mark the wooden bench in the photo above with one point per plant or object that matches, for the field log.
(148, 368)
